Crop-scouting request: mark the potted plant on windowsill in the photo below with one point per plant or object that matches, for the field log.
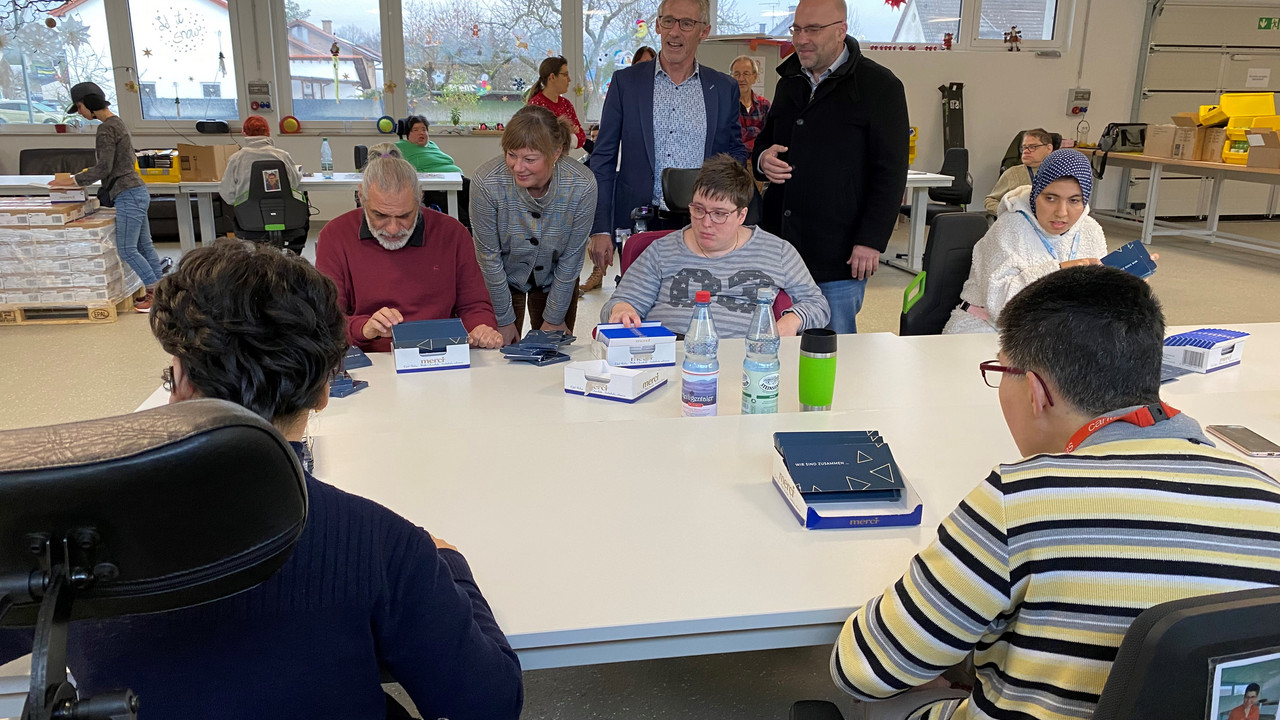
(458, 98)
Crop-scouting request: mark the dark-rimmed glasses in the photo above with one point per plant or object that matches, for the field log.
(666, 22)
(719, 217)
(166, 379)
(1029, 148)
(992, 371)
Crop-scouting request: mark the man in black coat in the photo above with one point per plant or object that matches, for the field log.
(834, 150)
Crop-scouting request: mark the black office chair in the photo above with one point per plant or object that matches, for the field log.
(273, 211)
(142, 513)
(948, 253)
(1162, 670)
(954, 197)
(677, 193)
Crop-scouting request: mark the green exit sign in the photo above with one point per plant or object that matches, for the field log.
(1268, 23)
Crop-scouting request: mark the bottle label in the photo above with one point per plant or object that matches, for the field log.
(759, 392)
(698, 393)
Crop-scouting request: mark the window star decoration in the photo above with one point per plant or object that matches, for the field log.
(389, 87)
(337, 92)
(518, 84)
(132, 87)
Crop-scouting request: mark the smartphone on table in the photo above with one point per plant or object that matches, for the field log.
(1245, 440)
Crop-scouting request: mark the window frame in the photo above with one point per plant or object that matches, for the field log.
(393, 103)
(1063, 25)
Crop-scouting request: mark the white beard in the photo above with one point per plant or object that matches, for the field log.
(391, 244)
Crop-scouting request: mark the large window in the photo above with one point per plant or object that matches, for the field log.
(335, 59)
(475, 58)
(43, 55)
(612, 32)
(1033, 18)
(875, 21)
(183, 54)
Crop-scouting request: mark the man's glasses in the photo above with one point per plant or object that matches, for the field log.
(1029, 148)
(666, 22)
(719, 217)
(166, 379)
(797, 31)
(993, 371)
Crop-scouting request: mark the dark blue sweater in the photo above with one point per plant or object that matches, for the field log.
(364, 588)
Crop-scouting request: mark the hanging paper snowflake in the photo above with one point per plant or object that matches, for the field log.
(895, 4)
(518, 84)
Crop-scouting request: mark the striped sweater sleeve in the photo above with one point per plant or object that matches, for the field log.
(931, 618)
(484, 229)
(809, 304)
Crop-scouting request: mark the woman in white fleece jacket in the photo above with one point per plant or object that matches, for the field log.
(1040, 229)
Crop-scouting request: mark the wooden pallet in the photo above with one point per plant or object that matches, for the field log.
(64, 314)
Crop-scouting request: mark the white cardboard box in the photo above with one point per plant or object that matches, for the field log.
(597, 378)
(650, 345)
(430, 345)
(1205, 350)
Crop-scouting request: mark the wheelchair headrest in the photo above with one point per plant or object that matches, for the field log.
(184, 504)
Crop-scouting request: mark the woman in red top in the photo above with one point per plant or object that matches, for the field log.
(548, 92)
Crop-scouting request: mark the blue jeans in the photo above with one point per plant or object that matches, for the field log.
(133, 235)
(845, 299)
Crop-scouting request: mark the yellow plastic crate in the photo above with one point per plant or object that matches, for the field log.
(911, 145)
(1236, 150)
(1231, 105)
(160, 175)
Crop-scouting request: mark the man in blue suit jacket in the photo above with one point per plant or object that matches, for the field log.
(668, 112)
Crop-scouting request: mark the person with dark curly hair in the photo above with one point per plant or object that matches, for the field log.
(364, 591)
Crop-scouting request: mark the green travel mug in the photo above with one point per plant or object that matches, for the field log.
(817, 369)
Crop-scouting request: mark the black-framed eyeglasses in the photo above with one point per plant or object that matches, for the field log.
(166, 379)
(993, 371)
(1029, 148)
(666, 22)
(719, 217)
(811, 29)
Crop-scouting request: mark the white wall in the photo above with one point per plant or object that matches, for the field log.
(1004, 93)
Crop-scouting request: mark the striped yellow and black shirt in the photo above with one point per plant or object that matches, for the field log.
(1042, 568)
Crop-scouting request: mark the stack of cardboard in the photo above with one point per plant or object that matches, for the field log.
(69, 262)
(1185, 139)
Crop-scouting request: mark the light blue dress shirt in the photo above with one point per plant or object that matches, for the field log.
(679, 125)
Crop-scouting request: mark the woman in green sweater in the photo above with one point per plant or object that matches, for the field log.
(422, 154)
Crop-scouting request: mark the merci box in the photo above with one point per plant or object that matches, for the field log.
(650, 345)
(1205, 350)
(596, 378)
(905, 512)
(423, 345)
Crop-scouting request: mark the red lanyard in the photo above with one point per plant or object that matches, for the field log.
(1142, 417)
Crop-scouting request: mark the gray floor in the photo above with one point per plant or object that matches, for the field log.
(51, 374)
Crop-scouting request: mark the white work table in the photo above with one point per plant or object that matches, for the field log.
(604, 532)
(918, 184)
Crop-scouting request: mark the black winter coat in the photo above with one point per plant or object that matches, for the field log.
(848, 150)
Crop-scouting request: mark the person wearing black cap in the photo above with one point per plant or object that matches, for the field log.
(115, 169)
(531, 212)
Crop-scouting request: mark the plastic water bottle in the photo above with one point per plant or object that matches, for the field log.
(701, 370)
(760, 366)
(326, 159)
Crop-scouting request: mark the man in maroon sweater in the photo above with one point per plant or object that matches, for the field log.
(394, 261)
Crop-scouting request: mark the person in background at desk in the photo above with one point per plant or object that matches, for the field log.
(115, 168)
(422, 154)
(531, 214)
(1036, 146)
(1026, 244)
(364, 590)
(1119, 503)
(754, 108)
(258, 145)
(841, 121)
(548, 92)
(394, 260)
(672, 113)
(717, 253)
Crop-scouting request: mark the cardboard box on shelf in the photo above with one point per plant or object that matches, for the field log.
(1264, 149)
(1215, 139)
(1159, 141)
(204, 163)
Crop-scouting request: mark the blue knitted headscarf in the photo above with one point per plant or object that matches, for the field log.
(1060, 164)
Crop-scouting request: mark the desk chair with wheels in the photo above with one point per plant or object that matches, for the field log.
(954, 197)
(637, 244)
(142, 513)
(1163, 668)
(929, 299)
(279, 215)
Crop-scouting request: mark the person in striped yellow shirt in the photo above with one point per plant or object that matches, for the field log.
(1119, 503)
